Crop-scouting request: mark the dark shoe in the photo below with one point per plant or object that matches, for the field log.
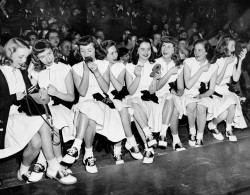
(134, 151)
(148, 156)
(178, 147)
(192, 140)
(162, 141)
(24, 177)
(199, 143)
(90, 164)
(62, 176)
(118, 159)
(231, 136)
(151, 141)
(70, 157)
(37, 172)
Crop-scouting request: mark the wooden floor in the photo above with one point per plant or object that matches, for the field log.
(219, 167)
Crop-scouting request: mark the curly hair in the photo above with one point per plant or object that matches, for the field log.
(221, 49)
(100, 54)
(175, 57)
(106, 45)
(210, 53)
(11, 47)
(135, 55)
(39, 47)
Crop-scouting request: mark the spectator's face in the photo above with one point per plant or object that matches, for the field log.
(200, 52)
(165, 26)
(157, 39)
(133, 40)
(100, 34)
(125, 58)
(33, 39)
(65, 49)
(87, 51)
(44, 24)
(183, 44)
(112, 54)
(44, 33)
(167, 50)
(155, 27)
(19, 57)
(183, 35)
(47, 57)
(64, 29)
(54, 39)
(144, 51)
(55, 27)
(231, 46)
(195, 25)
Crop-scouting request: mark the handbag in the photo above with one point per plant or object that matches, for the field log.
(31, 105)
(106, 100)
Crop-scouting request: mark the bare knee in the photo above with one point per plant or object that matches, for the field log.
(192, 107)
(201, 110)
(35, 143)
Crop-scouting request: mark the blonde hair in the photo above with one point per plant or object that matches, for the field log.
(11, 47)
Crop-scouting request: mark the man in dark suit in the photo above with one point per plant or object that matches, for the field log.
(65, 50)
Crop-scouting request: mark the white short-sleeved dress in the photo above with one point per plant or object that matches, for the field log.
(229, 98)
(20, 127)
(205, 77)
(62, 117)
(116, 70)
(165, 67)
(153, 110)
(108, 120)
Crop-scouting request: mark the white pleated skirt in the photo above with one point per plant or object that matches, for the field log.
(108, 121)
(20, 130)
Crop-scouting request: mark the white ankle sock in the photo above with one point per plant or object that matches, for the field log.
(211, 125)
(228, 126)
(176, 138)
(77, 143)
(147, 131)
(54, 164)
(117, 150)
(88, 152)
(199, 136)
(164, 129)
(131, 141)
(23, 169)
(192, 131)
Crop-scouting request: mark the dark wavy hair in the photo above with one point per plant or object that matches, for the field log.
(135, 55)
(175, 57)
(221, 49)
(39, 47)
(100, 54)
(210, 52)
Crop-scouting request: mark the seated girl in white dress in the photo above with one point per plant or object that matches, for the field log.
(227, 108)
(197, 105)
(148, 108)
(117, 92)
(55, 79)
(29, 132)
(94, 113)
(171, 82)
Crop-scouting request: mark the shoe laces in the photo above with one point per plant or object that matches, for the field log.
(136, 148)
(71, 151)
(38, 168)
(91, 161)
(64, 172)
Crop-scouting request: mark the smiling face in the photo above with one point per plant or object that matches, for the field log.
(167, 50)
(112, 54)
(87, 51)
(47, 57)
(231, 47)
(19, 57)
(144, 51)
(200, 52)
(66, 48)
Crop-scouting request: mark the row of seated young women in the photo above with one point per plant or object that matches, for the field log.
(158, 92)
